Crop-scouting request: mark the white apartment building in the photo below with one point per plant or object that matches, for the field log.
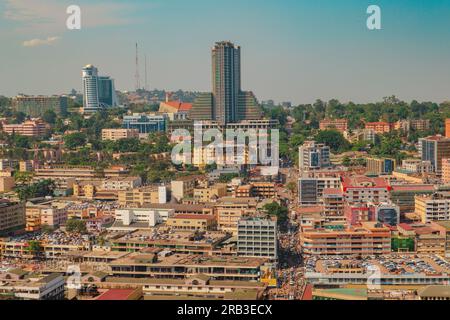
(313, 155)
(121, 183)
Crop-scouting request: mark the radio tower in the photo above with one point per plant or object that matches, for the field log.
(146, 83)
(137, 76)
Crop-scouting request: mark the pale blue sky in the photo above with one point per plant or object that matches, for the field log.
(292, 50)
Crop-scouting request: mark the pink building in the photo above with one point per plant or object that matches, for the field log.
(29, 128)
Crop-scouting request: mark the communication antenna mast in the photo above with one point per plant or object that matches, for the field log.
(146, 83)
(137, 76)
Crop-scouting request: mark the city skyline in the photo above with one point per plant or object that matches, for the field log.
(317, 50)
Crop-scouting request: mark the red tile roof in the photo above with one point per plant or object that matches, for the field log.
(116, 294)
(357, 181)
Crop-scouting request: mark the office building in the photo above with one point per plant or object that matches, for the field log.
(313, 155)
(226, 76)
(227, 103)
(145, 123)
(388, 213)
(434, 149)
(257, 237)
(383, 166)
(36, 106)
(98, 91)
(12, 217)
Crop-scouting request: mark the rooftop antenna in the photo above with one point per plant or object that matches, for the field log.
(137, 76)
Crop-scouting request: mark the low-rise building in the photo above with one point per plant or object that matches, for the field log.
(340, 125)
(119, 134)
(367, 239)
(192, 222)
(183, 266)
(141, 217)
(29, 128)
(33, 287)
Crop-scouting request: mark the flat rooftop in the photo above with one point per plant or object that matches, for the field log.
(396, 265)
(189, 260)
(167, 236)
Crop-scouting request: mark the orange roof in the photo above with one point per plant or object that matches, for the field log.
(194, 216)
(181, 106)
(413, 187)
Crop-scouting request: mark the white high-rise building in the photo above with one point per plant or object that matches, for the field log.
(98, 91)
(91, 101)
(313, 155)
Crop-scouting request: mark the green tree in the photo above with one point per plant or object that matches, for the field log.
(76, 226)
(275, 209)
(75, 140)
(334, 139)
(49, 116)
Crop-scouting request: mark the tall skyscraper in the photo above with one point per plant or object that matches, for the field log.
(91, 102)
(227, 103)
(98, 91)
(226, 80)
(106, 92)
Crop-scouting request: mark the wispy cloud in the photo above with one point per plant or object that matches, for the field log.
(49, 16)
(40, 42)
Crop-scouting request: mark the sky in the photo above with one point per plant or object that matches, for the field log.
(292, 50)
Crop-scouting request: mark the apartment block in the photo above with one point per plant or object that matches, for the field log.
(364, 189)
(380, 127)
(119, 134)
(340, 125)
(12, 217)
(142, 196)
(211, 193)
(313, 155)
(29, 128)
(184, 187)
(435, 149)
(434, 207)
(368, 239)
(257, 237)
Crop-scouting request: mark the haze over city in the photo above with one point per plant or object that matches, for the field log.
(295, 51)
